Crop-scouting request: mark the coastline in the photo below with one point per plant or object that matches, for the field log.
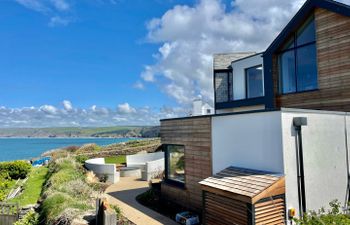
(19, 148)
(88, 137)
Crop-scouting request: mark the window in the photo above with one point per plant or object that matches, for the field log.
(298, 61)
(175, 163)
(254, 82)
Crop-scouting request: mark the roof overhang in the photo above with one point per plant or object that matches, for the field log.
(302, 14)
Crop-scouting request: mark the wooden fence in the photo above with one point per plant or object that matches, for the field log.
(9, 213)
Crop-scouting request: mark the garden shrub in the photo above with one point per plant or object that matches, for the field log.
(31, 218)
(117, 210)
(81, 158)
(336, 215)
(16, 169)
(5, 182)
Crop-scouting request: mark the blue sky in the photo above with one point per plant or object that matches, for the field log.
(93, 59)
(121, 62)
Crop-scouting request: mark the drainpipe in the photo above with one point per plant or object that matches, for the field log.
(347, 198)
(298, 122)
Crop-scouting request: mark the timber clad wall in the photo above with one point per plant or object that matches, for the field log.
(225, 210)
(270, 212)
(333, 53)
(195, 134)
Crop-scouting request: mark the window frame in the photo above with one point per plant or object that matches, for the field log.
(294, 50)
(168, 180)
(246, 81)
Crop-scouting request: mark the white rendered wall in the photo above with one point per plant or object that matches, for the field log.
(324, 152)
(98, 166)
(151, 164)
(266, 141)
(197, 107)
(238, 68)
(252, 140)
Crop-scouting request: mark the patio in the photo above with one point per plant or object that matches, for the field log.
(124, 195)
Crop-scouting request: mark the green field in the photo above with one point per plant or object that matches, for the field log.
(116, 159)
(129, 131)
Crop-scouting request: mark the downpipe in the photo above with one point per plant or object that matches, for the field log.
(298, 122)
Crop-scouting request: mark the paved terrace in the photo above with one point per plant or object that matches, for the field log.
(124, 193)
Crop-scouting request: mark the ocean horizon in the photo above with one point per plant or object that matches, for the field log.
(18, 148)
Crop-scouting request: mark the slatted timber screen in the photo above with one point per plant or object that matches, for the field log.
(225, 210)
(271, 212)
(333, 62)
(9, 213)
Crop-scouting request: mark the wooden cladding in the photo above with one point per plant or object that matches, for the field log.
(333, 62)
(244, 196)
(225, 211)
(270, 212)
(195, 135)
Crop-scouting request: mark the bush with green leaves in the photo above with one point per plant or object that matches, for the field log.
(335, 215)
(81, 158)
(5, 183)
(117, 210)
(31, 218)
(16, 169)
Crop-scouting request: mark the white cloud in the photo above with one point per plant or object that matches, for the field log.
(50, 116)
(67, 105)
(60, 5)
(125, 109)
(189, 35)
(139, 85)
(48, 109)
(58, 21)
(55, 10)
(148, 74)
(35, 5)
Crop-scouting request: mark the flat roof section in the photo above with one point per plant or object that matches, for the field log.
(222, 61)
(297, 110)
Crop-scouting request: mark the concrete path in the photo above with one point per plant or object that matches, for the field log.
(124, 193)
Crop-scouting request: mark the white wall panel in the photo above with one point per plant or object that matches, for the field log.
(238, 68)
(252, 140)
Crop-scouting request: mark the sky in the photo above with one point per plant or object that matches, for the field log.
(121, 62)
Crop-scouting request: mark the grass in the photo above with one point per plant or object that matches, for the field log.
(66, 195)
(33, 187)
(120, 159)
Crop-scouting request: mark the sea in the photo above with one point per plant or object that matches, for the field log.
(27, 148)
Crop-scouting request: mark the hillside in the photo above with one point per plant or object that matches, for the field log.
(117, 131)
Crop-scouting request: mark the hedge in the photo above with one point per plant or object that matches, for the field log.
(16, 169)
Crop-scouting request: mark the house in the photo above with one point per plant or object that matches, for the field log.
(282, 115)
(306, 66)
(200, 108)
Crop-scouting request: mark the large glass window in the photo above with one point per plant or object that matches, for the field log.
(175, 160)
(298, 60)
(307, 69)
(287, 63)
(254, 79)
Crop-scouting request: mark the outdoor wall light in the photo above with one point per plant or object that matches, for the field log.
(291, 213)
